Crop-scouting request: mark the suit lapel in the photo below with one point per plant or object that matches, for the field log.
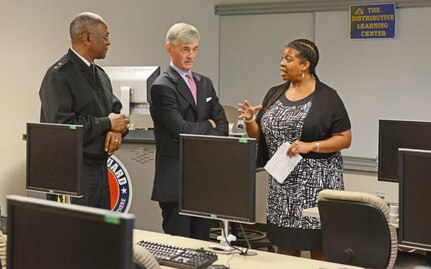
(182, 87)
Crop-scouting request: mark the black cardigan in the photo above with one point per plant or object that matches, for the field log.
(327, 116)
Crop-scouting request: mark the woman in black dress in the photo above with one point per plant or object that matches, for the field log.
(312, 118)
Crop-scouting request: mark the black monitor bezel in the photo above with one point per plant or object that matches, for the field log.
(251, 219)
(124, 221)
(380, 161)
(79, 140)
(402, 152)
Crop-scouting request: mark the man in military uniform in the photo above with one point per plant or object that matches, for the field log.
(76, 91)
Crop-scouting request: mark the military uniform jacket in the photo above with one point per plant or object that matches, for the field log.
(70, 94)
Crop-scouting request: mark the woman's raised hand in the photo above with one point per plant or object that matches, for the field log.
(246, 111)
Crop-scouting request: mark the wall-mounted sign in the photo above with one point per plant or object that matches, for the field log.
(372, 21)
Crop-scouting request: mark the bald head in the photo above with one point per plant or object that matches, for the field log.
(90, 36)
(83, 22)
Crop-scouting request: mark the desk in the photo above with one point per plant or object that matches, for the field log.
(311, 212)
(262, 260)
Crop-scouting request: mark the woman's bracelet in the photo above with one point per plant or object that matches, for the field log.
(317, 146)
(250, 120)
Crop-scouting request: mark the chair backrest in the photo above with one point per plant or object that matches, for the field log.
(231, 114)
(356, 229)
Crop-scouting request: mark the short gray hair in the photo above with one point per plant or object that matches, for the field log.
(182, 31)
(81, 24)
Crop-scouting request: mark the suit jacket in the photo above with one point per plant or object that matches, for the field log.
(70, 95)
(174, 111)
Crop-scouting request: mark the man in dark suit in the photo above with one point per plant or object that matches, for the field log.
(76, 91)
(182, 102)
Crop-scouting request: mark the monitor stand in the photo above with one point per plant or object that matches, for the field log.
(225, 239)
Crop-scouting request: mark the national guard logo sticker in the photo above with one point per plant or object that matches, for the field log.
(120, 185)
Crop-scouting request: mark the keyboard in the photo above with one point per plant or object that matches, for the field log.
(183, 258)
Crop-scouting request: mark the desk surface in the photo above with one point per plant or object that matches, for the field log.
(261, 260)
(311, 212)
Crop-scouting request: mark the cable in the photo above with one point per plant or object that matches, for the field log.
(246, 239)
(228, 261)
(241, 252)
(227, 241)
(248, 243)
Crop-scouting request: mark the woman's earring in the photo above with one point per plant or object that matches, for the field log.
(303, 75)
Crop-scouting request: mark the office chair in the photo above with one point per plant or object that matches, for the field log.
(231, 114)
(356, 229)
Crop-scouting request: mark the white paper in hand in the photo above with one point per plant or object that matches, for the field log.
(281, 165)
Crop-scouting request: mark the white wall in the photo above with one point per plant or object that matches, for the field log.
(362, 71)
(367, 182)
(369, 74)
(34, 34)
(250, 52)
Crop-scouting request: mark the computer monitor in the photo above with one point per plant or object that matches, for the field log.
(218, 180)
(218, 177)
(131, 84)
(50, 235)
(414, 194)
(395, 134)
(54, 158)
